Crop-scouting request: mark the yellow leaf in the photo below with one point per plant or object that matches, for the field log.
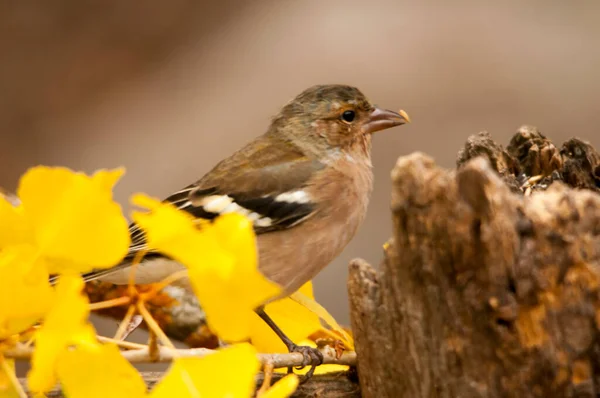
(25, 294)
(7, 388)
(310, 304)
(221, 259)
(98, 371)
(295, 320)
(228, 373)
(76, 224)
(164, 225)
(66, 324)
(283, 388)
(15, 228)
(240, 291)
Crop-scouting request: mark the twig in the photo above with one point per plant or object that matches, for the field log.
(153, 346)
(268, 375)
(278, 360)
(10, 373)
(110, 303)
(164, 283)
(139, 256)
(124, 325)
(153, 326)
(120, 343)
(166, 354)
(135, 322)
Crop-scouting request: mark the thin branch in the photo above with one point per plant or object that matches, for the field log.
(268, 375)
(135, 322)
(121, 343)
(153, 326)
(124, 325)
(278, 360)
(137, 259)
(166, 354)
(153, 346)
(10, 373)
(164, 283)
(110, 303)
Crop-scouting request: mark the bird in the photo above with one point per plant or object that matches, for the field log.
(305, 185)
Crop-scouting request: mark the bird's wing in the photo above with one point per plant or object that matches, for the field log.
(265, 183)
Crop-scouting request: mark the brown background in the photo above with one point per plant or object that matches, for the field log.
(169, 88)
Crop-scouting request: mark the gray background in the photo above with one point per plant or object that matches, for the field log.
(169, 89)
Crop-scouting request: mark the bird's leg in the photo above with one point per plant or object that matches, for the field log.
(312, 356)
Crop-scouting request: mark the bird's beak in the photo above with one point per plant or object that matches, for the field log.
(381, 119)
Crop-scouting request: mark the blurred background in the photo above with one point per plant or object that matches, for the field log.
(167, 89)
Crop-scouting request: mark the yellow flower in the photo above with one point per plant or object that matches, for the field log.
(65, 222)
(283, 388)
(65, 325)
(221, 259)
(228, 373)
(73, 220)
(25, 294)
(94, 370)
(296, 321)
(336, 330)
(98, 371)
(68, 219)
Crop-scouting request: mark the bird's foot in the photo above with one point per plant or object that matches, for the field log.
(312, 357)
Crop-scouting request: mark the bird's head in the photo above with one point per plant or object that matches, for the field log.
(334, 116)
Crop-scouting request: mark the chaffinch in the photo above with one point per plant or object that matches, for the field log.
(305, 184)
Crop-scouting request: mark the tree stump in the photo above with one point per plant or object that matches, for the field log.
(490, 284)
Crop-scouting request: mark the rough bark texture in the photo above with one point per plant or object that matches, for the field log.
(531, 154)
(484, 291)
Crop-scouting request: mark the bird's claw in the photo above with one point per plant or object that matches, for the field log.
(312, 356)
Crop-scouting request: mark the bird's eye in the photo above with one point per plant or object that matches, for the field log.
(348, 116)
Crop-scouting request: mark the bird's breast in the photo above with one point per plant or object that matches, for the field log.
(294, 256)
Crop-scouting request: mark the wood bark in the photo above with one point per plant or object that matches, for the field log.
(490, 285)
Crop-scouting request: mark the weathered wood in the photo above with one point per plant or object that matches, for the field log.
(483, 292)
(503, 162)
(331, 385)
(531, 154)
